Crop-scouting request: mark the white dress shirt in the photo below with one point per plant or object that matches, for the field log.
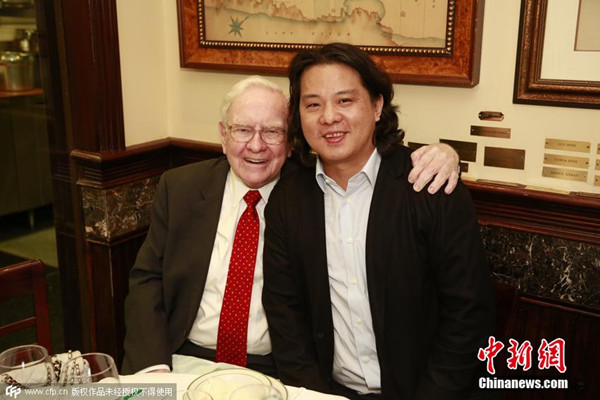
(355, 362)
(205, 329)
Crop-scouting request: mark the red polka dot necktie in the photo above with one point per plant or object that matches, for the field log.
(233, 322)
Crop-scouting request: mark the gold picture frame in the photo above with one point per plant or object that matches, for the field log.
(454, 64)
(530, 87)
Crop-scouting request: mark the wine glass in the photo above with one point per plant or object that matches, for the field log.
(27, 365)
(89, 368)
(256, 392)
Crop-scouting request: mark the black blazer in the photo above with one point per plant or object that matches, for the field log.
(167, 281)
(429, 285)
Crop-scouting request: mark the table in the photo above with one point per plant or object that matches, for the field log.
(186, 369)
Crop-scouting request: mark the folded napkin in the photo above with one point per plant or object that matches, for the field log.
(39, 374)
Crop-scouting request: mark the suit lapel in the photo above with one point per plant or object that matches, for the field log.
(387, 194)
(204, 219)
(317, 275)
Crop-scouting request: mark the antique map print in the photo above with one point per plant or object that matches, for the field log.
(588, 34)
(381, 23)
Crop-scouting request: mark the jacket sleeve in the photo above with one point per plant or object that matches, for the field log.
(465, 298)
(285, 303)
(146, 340)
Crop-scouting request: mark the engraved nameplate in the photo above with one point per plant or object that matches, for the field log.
(504, 158)
(489, 131)
(467, 151)
(464, 167)
(563, 173)
(566, 161)
(568, 145)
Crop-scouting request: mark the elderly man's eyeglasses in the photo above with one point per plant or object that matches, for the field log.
(245, 133)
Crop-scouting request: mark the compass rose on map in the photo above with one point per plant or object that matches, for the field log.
(236, 26)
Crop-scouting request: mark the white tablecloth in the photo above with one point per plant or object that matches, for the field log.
(187, 369)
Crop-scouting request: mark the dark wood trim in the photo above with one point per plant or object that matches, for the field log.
(108, 267)
(110, 169)
(566, 216)
(94, 72)
(184, 151)
(79, 57)
(561, 305)
(535, 318)
(67, 215)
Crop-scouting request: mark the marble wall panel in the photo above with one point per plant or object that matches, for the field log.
(111, 213)
(544, 265)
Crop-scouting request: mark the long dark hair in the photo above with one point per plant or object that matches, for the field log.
(377, 82)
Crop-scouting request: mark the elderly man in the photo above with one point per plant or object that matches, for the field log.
(195, 288)
(372, 290)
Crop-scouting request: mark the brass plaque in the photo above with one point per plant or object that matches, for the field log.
(563, 173)
(490, 131)
(464, 167)
(491, 116)
(566, 161)
(504, 158)
(568, 145)
(467, 151)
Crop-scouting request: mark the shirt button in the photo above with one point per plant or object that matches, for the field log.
(354, 281)
(349, 240)
(347, 201)
(359, 321)
(366, 359)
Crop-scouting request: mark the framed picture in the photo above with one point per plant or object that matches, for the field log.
(558, 59)
(434, 42)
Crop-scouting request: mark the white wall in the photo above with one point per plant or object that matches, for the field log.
(143, 46)
(163, 100)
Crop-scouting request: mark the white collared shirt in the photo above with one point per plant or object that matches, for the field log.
(205, 329)
(355, 362)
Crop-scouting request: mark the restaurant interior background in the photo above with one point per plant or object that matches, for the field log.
(121, 111)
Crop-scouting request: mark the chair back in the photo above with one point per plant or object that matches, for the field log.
(22, 279)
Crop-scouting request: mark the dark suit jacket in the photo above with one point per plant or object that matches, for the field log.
(429, 285)
(167, 281)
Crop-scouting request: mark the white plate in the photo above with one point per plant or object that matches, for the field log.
(279, 386)
(220, 384)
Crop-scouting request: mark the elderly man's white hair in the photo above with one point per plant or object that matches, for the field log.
(241, 86)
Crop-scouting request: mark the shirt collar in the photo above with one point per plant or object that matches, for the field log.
(239, 188)
(370, 170)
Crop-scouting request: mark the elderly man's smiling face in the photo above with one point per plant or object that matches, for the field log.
(256, 163)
